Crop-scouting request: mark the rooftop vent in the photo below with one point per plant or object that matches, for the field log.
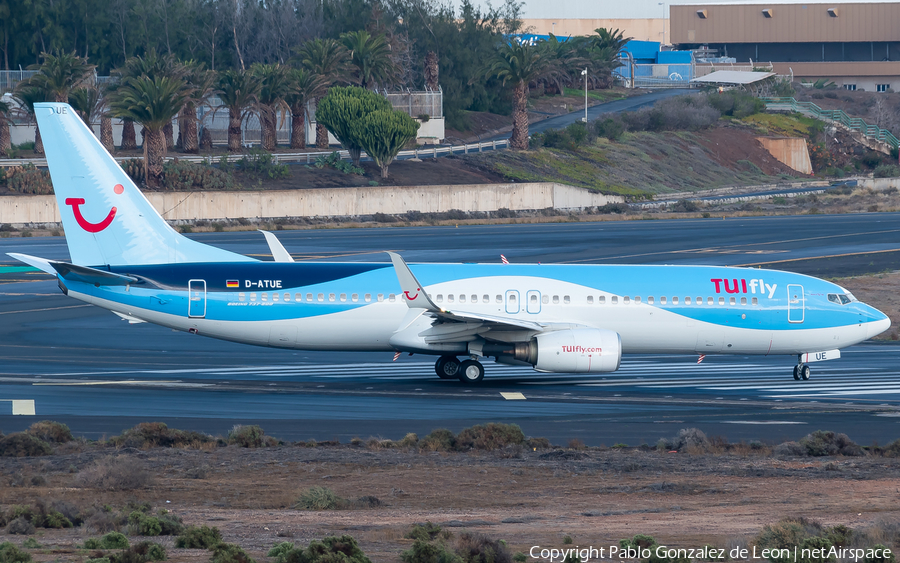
(767, 13)
(702, 14)
(833, 12)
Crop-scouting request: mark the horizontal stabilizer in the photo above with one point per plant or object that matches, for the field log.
(72, 272)
(41, 264)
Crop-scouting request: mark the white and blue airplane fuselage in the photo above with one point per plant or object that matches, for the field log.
(556, 318)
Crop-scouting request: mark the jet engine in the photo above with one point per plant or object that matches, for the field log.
(580, 350)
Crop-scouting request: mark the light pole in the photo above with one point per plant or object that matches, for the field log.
(584, 73)
(663, 4)
(553, 28)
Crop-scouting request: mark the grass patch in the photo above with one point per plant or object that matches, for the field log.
(599, 95)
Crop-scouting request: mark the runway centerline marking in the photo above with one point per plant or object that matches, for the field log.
(515, 396)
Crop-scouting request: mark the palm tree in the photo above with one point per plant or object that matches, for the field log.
(274, 85)
(152, 102)
(371, 57)
(90, 102)
(152, 65)
(565, 58)
(330, 61)
(520, 64)
(305, 86)
(238, 91)
(5, 138)
(60, 74)
(604, 53)
(201, 83)
(28, 94)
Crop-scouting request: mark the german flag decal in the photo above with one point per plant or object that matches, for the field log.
(232, 284)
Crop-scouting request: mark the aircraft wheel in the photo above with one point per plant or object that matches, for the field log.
(471, 371)
(796, 373)
(447, 367)
(804, 372)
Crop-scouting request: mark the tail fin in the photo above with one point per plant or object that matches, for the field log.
(107, 220)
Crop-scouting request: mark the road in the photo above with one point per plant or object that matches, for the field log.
(85, 367)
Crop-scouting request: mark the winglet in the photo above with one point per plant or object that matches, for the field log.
(277, 249)
(411, 289)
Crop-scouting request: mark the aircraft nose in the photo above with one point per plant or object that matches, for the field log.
(878, 325)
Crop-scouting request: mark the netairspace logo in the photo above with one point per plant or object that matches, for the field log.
(707, 553)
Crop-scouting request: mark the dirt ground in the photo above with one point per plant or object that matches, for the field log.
(527, 498)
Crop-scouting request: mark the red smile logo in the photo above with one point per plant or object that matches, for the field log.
(413, 298)
(76, 202)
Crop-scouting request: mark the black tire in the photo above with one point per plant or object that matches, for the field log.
(471, 372)
(804, 372)
(796, 373)
(447, 367)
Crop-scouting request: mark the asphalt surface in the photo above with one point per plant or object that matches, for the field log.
(86, 367)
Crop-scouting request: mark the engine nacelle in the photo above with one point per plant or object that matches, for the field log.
(580, 350)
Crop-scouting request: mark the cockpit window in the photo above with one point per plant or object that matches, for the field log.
(840, 298)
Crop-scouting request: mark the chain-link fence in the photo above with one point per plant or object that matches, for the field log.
(9, 79)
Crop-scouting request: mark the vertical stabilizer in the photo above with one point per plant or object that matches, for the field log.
(107, 219)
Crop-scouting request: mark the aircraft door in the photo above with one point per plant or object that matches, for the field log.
(197, 298)
(533, 302)
(512, 301)
(796, 303)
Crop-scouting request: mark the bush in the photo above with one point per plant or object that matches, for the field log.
(319, 498)
(185, 176)
(785, 534)
(423, 551)
(892, 449)
(22, 444)
(280, 550)
(150, 551)
(610, 127)
(250, 437)
(158, 434)
(31, 543)
(134, 167)
(20, 526)
(114, 474)
(112, 540)
(50, 431)
(789, 449)
(334, 160)
(411, 440)
(203, 537)
(343, 549)
(826, 443)
(887, 171)
(28, 180)
(261, 163)
(163, 524)
(425, 532)
(439, 440)
(230, 553)
(691, 439)
(490, 436)
(685, 206)
(9, 553)
(477, 548)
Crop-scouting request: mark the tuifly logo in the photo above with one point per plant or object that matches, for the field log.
(77, 202)
(413, 298)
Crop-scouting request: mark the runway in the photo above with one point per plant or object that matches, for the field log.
(84, 366)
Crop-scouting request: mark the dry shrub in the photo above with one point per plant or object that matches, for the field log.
(792, 449)
(9, 553)
(99, 520)
(490, 436)
(120, 473)
(202, 537)
(691, 440)
(538, 444)
(157, 434)
(427, 532)
(332, 549)
(786, 533)
(250, 437)
(20, 526)
(477, 548)
(50, 431)
(892, 449)
(426, 552)
(21, 444)
(411, 440)
(320, 498)
(439, 440)
(827, 443)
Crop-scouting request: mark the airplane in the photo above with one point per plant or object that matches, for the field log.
(553, 318)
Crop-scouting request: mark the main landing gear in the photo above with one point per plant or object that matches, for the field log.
(801, 371)
(468, 371)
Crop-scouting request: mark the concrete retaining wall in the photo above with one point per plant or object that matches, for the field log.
(337, 202)
(791, 151)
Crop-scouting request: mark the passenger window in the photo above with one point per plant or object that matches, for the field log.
(462, 298)
(743, 300)
(687, 300)
(274, 297)
(392, 297)
(614, 300)
(485, 298)
(566, 299)
(264, 297)
(474, 299)
(380, 297)
(534, 299)
(449, 298)
(699, 301)
(721, 300)
(637, 299)
(754, 301)
(674, 301)
(662, 300)
(556, 299)
(298, 297)
(343, 297)
(709, 300)
(242, 296)
(331, 297)
(590, 299)
(287, 297)
(368, 297)
(512, 298)
(626, 300)
(650, 300)
(731, 301)
(309, 297)
(545, 299)
(320, 297)
(498, 299)
(439, 298)
(354, 297)
(252, 297)
(601, 300)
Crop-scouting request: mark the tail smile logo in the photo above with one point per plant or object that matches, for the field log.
(76, 202)
(413, 298)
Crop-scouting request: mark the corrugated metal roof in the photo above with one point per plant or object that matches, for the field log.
(733, 77)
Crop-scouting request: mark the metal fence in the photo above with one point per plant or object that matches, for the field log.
(9, 79)
(675, 75)
(836, 116)
(418, 103)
